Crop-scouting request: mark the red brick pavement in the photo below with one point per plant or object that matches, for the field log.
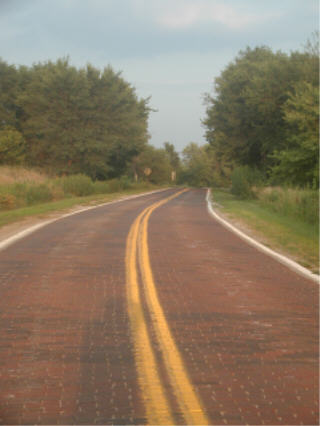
(65, 350)
(245, 324)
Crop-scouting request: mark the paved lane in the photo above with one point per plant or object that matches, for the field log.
(246, 325)
(65, 349)
(227, 335)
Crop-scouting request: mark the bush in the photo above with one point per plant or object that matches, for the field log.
(300, 203)
(79, 185)
(38, 194)
(243, 180)
(125, 182)
(7, 201)
(114, 185)
(101, 187)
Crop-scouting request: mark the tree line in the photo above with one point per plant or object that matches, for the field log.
(69, 120)
(263, 114)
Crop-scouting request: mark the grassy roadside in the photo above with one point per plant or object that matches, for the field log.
(285, 234)
(64, 205)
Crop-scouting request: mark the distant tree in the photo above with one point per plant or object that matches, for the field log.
(172, 154)
(197, 167)
(153, 165)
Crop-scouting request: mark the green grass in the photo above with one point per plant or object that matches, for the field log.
(42, 210)
(284, 233)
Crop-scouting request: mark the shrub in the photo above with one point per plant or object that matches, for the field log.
(101, 187)
(79, 185)
(7, 201)
(38, 194)
(296, 202)
(243, 180)
(125, 182)
(114, 185)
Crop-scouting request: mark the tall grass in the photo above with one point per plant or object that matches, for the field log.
(299, 203)
(28, 189)
(19, 174)
(243, 181)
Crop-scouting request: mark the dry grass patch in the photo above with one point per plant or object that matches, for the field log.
(18, 174)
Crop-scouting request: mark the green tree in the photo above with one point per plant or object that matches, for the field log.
(52, 123)
(264, 113)
(8, 94)
(153, 165)
(12, 146)
(172, 154)
(81, 120)
(121, 119)
(197, 167)
(244, 121)
(174, 160)
(298, 163)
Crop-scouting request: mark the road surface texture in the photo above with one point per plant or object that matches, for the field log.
(148, 311)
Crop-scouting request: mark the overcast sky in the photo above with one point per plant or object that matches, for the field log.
(170, 50)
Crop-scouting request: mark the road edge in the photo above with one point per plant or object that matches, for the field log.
(289, 263)
(29, 230)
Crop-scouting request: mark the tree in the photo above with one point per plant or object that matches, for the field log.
(153, 165)
(8, 94)
(264, 113)
(174, 160)
(81, 120)
(298, 163)
(244, 120)
(12, 146)
(173, 156)
(197, 165)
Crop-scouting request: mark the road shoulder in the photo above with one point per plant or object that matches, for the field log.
(251, 239)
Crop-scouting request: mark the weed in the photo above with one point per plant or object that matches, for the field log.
(294, 202)
(79, 185)
(243, 180)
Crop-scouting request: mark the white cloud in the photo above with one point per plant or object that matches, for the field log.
(182, 14)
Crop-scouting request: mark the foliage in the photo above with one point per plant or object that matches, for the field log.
(73, 120)
(9, 87)
(243, 180)
(298, 163)
(27, 187)
(264, 113)
(38, 194)
(12, 146)
(173, 156)
(282, 231)
(153, 165)
(78, 185)
(243, 120)
(295, 202)
(197, 167)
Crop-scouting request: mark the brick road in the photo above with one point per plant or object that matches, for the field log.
(245, 325)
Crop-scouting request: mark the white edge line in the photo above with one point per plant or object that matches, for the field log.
(282, 259)
(11, 240)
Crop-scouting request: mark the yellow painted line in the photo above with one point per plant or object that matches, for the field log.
(187, 399)
(154, 396)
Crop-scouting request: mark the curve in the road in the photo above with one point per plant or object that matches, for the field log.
(157, 407)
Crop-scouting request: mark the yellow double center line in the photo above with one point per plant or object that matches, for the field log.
(155, 399)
